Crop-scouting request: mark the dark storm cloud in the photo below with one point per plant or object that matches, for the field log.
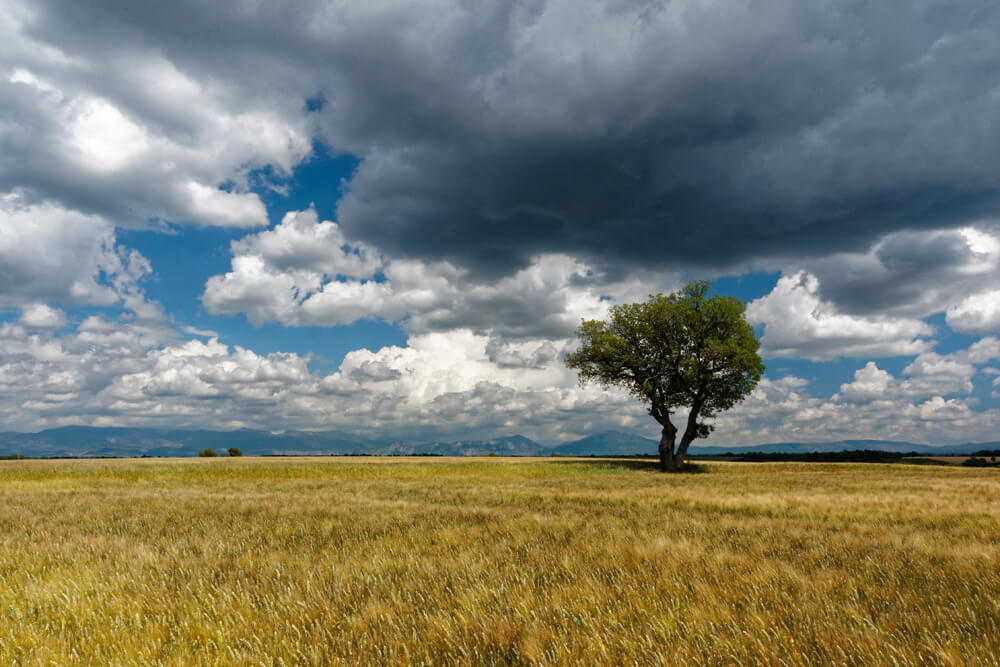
(703, 134)
(910, 273)
(742, 133)
(905, 267)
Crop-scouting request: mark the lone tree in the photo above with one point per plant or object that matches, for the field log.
(681, 350)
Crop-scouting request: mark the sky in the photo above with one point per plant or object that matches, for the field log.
(388, 218)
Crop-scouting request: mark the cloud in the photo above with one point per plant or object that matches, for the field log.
(605, 131)
(797, 323)
(908, 273)
(929, 374)
(302, 242)
(610, 131)
(930, 402)
(520, 166)
(122, 132)
(42, 316)
(305, 272)
(121, 373)
(870, 382)
(914, 274)
(976, 313)
(939, 410)
(50, 254)
(451, 384)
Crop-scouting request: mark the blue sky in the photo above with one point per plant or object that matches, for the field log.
(187, 256)
(389, 220)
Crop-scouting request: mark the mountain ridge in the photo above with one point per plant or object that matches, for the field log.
(90, 441)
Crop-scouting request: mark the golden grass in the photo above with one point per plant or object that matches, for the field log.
(496, 561)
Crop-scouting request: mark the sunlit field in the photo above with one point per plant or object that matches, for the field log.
(496, 561)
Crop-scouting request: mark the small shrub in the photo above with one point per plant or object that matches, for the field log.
(207, 452)
(975, 462)
(492, 454)
(234, 451)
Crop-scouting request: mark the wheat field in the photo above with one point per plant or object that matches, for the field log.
(496, 561)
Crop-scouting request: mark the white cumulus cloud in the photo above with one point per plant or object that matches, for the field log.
(42, 316)
(977, 313)
(305, 272)
(798, 323)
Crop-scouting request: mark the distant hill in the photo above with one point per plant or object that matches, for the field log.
(92, 441)
(612, 443)
(616, 443)
(894, 446)
(515, 445)
(86, 441)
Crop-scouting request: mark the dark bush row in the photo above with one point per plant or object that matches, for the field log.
(976, 462)
(233, 451)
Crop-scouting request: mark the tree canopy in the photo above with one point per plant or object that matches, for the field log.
(683, 350)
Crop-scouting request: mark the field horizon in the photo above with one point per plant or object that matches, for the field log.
(496, 561)
(124, 442)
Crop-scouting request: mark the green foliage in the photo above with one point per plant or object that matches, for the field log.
(680, 350)
(235, 451)
(207, 453)
(12, 457)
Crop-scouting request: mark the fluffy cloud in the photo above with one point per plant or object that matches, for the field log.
(42, 316)
(909, 274)
(870, 383)
(304, 272)
(799, 324)
(122, 132)
(930, 374)
(457, 383)
(976, 313)
(50, 254)
(113, 373)
(930, 402)
(880, 295)
(302, 242)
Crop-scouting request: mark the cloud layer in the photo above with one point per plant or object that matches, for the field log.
(675, 134)
(304, 272)
(449, 384)
(520, 166)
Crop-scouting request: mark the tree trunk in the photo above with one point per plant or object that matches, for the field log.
(690, 433)
(667, 437)
(682, 449)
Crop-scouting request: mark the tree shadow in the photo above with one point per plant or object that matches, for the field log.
(651, 464)
(921, 461)
(857, 456)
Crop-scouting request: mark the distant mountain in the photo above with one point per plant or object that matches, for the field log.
(515, 445)
(893, 446)
(86, 441)
(612, 443)
(616, 443)
(94, 442)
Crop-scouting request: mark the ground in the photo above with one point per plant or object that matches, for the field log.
(553, 561)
